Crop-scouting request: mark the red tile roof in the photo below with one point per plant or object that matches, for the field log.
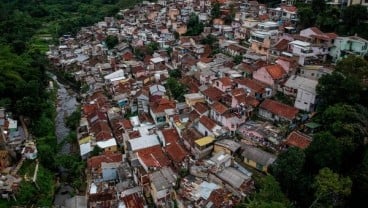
(134, 134)
(127, 56)
(276, 71)
(101, 130)
(162, 105)
(200, 107)
(190, 135)
(237, 92)
(205, 60)
(235, 47)
(282, 45)
(219, 107)
(170, 135)
(89, 108)
(246, 67)
(95, 161)
(219, 198)
(127, 124)
(316, 30)
(137, 69)
(193, 115)
(298, 139)
(153, 157)
(207, 122)
(289, 8)
(331, 35)
(252, 84)
(248, 100)
(213, 93)
(99, 98)
(133, 201)
(260, 63)
(226, 81)
(279, 109)
(96, 116)
(176, 152)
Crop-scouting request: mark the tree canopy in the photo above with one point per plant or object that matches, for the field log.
(194, 26)
(111, 41)
(330, 188)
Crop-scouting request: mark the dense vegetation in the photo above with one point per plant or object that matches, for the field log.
(346, 21)
(27, 28)
(332, 171)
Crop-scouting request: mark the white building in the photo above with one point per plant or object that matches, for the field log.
(305, 91)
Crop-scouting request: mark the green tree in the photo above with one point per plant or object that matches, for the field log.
(354, 15)
(175, 73)
(111, 41)
(287, 169)
(269, 195)
(209, 40)
(329, 19)
(215, 11)
(318, 6)
(324, 151)
(152, 47)
(331, 190)
(177, 89)
(72, 121)
(353, 66)
(338, 88)
(194, 26)
(238, 59)
(306, 16)
(359, 190)
(96, 151)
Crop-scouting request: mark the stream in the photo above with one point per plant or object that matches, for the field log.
(66, 105)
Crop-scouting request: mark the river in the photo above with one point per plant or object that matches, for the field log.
(66, 105)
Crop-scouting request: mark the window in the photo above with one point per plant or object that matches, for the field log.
(217, 84)
(302, 72)
(312, 74)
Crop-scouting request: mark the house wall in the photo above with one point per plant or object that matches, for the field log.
(261, 48)
(219, 85)
(252, 92)
(202, 129)
(305, 100)
(253, 164)
(216, 116)
(263, 76)
(285, 65)
(265, 114)
(232, 122)
(348, 44)
(307, 32)
(199, 154)
(154, 193)
(158, 116)
(298, 51)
